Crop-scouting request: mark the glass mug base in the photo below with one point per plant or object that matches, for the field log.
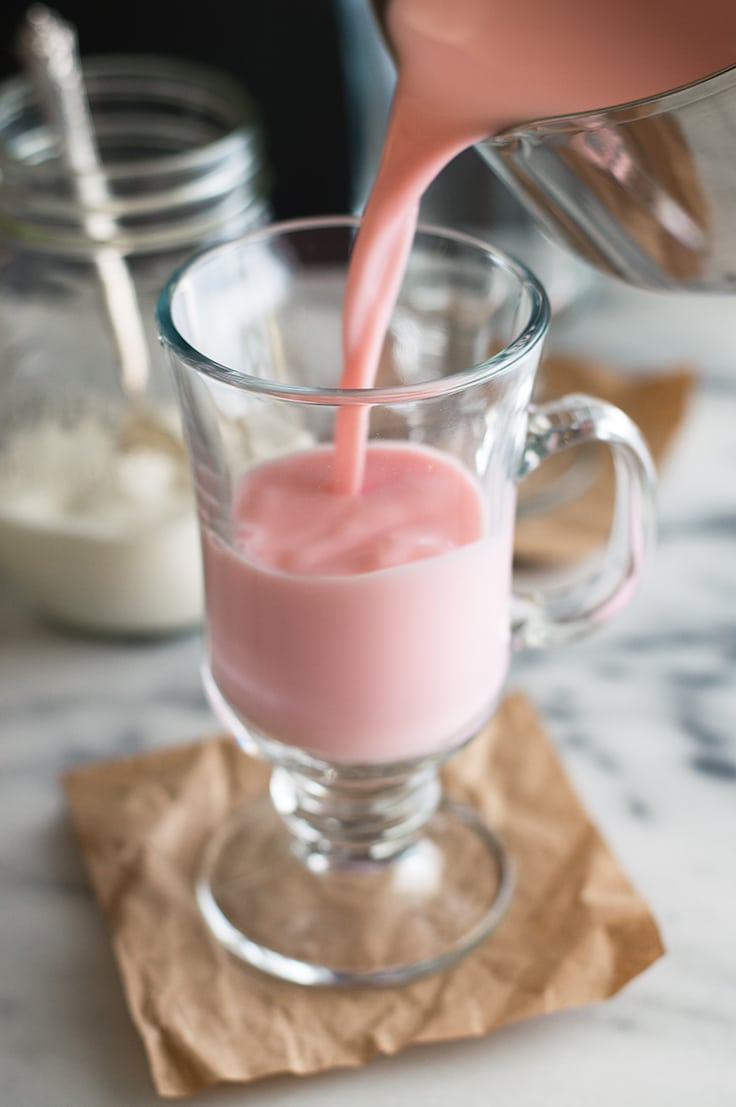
(297, 914)
(349, 874)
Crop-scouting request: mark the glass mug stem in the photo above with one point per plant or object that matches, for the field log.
(341, 819)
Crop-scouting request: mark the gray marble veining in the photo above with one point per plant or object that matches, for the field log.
(644, 716)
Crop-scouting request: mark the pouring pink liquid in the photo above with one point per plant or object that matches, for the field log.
(363, 614)
(468, 69)
(359, 597)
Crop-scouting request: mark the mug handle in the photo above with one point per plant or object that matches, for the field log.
(552, 613)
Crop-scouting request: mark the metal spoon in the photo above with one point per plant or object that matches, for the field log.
(47, 45)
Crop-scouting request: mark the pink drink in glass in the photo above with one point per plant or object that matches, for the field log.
(363, 628)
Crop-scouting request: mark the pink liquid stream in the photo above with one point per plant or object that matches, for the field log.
(470, 68)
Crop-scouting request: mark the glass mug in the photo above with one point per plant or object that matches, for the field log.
(356, 672)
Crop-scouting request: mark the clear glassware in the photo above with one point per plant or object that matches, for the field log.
(183, 167)
(356, 688)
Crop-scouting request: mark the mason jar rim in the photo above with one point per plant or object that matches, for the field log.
(191, 187)
(529, 336)
(219, 91)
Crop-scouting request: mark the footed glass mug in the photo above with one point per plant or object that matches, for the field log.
(357, 640)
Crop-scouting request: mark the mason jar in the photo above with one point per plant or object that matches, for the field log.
(182, 160)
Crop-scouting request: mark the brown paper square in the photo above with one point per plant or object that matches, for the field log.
(576, 931)
(565, 506)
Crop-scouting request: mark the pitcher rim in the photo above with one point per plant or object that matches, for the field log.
(625, 111)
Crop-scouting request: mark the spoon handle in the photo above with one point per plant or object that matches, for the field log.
(48, 47)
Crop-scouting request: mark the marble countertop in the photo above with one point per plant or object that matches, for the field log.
(644, 717)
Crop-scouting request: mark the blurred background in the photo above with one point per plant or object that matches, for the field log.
(319, 75)
(286, 54)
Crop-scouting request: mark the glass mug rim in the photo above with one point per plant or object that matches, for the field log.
(530, 335)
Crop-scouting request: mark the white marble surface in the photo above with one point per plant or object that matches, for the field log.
(643, 716)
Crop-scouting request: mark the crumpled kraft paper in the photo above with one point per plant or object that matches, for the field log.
(576, 930)
(565, 506)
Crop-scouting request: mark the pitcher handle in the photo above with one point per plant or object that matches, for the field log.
(558, 612)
